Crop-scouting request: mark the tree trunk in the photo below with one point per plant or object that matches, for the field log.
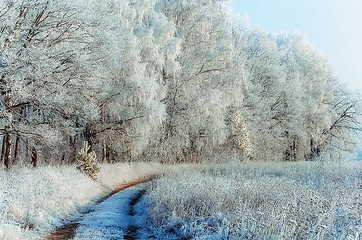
(34, 157)
(8, 141)
(104, 157)
(73, 149)
(314, 151)
(89, 135)
(3, 149)
(17, 150)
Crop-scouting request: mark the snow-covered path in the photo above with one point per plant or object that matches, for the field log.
(122, 216)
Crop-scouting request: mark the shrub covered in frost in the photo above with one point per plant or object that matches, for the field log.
(87, 161)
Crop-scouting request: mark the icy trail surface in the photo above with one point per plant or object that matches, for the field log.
(122, 216)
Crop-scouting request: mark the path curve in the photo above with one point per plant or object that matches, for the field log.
(68, 230)
(131, 231)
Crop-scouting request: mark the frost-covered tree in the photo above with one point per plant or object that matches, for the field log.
(264, 105)
(46, 54)
(142, 48)
(172, 80)
(291, 96)
(197, 98)
(240, 137)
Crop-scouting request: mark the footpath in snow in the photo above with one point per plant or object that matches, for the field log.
(121, 216)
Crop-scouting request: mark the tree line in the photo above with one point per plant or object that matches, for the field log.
(162, 80)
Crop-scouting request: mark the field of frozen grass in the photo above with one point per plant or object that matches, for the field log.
(34, 201)
(303, 200)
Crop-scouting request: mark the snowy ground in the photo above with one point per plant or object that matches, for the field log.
(125, 215)
(33, 202)
(122, 216)
(295, 200)
(301, 200)
(198, 201)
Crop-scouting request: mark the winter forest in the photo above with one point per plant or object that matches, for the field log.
(163, 81)
(170, 81)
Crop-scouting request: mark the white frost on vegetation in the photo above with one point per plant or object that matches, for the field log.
(34, 201)
(301, 200)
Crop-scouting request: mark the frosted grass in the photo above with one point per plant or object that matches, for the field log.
(34, 201)
(301, 200)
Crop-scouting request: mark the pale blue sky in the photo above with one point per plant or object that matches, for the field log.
(332, 26)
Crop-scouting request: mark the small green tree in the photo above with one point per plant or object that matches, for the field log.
(87, 161)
